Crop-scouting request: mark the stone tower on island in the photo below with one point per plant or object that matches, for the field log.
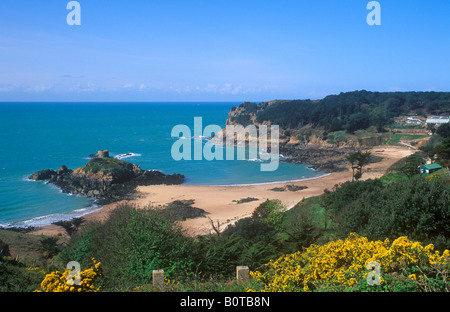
(103, 154)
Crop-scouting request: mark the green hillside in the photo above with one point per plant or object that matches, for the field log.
(350, 111)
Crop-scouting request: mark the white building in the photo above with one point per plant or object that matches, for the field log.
(413, 121)
(438, 120)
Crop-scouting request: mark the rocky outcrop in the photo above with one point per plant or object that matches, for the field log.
(320, 158)
(106, 179)
(45, 174)
(303, 143)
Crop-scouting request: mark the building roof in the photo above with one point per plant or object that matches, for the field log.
(438, 118)
(432, 166)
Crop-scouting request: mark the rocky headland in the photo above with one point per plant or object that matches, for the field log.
(314, 149)
(104, 178)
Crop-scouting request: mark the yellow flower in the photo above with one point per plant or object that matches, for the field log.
(343, 263)
(57, 281)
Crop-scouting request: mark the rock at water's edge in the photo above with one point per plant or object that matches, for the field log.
(45, 174)
(106, 179)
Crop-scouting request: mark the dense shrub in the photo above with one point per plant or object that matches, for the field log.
(444, 130)
(134, 242)
(417, 207)
(59, 281)
(345, 193)
(342, 265)
(408, 165)
(301, 227)
(131, 244)
(270, 212)
(49, 246)
(247, 242)
(16, 276)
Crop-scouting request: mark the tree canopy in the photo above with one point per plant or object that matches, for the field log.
(350, 111)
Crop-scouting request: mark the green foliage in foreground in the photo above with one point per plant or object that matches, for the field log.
(134, 242)
(15, 276)
(131, 244)
(417, 207)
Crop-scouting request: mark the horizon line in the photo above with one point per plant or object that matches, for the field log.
(214, 101)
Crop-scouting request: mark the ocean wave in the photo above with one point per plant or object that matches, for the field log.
(155, 170)
(255, 160)
(51, 218)
(127, 155)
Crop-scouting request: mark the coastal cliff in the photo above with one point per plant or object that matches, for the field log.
(305, 146)
(321, 132)
(104, 178)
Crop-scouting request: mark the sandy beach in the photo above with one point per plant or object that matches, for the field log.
(220, 204)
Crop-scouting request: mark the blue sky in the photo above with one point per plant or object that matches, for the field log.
(217, 50)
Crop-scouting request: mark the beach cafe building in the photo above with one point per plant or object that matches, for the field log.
(430, 168)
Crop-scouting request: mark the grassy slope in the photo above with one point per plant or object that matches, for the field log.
(26, 247)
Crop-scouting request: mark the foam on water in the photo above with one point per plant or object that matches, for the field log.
(127, 155)
(35, 137)
(51, 218)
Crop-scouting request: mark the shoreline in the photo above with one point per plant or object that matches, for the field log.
(219, 200)
(260, 183)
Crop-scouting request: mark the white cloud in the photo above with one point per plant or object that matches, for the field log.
(6, 87)
(38, 88)
(226, 88)
(88, 87)
(128, 85)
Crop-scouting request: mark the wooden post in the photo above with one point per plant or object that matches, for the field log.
(158, 278)
(242, 273)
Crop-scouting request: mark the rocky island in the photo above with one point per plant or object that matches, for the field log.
(105, 178)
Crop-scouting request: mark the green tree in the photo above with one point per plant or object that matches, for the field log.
(378, 118)
(357, 121)
(352, 158)
(49, 246)
(432, 128)
(358, 160)
(443, 152)
(444, 130)
(270, 212)
(363, 160)
(300, 227)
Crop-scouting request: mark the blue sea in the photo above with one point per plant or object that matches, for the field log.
(35, 136)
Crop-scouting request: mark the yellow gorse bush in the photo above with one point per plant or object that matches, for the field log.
(57, 281)
(343, 263)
